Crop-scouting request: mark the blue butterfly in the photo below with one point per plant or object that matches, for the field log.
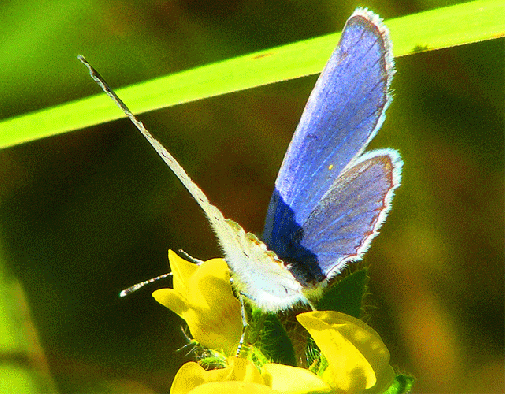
(330, 197)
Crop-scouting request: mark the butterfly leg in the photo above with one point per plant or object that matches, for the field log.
(243, 315)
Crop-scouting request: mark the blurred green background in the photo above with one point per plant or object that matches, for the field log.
(88, 213)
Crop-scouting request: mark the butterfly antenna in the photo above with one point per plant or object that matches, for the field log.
(187, 256)
(133, 288)
(210, 210)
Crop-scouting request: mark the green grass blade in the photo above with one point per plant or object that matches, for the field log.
(444, 27)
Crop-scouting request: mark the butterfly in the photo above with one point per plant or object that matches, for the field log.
(330, 197)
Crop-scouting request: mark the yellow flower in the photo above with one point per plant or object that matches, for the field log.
(203, 297)
(358, 360)
(241, 376)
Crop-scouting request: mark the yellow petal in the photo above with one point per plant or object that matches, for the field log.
(358, 359)
(214, 316)
(172, 299)
(192, 376)
(210, 285)
(182, 271)
(243, 370)
(233, 388)
(203, 297)
(293, 380)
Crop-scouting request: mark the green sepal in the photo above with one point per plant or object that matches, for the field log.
(269, 336)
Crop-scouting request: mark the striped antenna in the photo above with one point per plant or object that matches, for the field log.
(133, 288)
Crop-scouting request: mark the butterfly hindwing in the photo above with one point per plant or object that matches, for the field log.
(349, 216)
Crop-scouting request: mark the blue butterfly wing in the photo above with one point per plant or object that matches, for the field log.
(349, 216)
(343, 113)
